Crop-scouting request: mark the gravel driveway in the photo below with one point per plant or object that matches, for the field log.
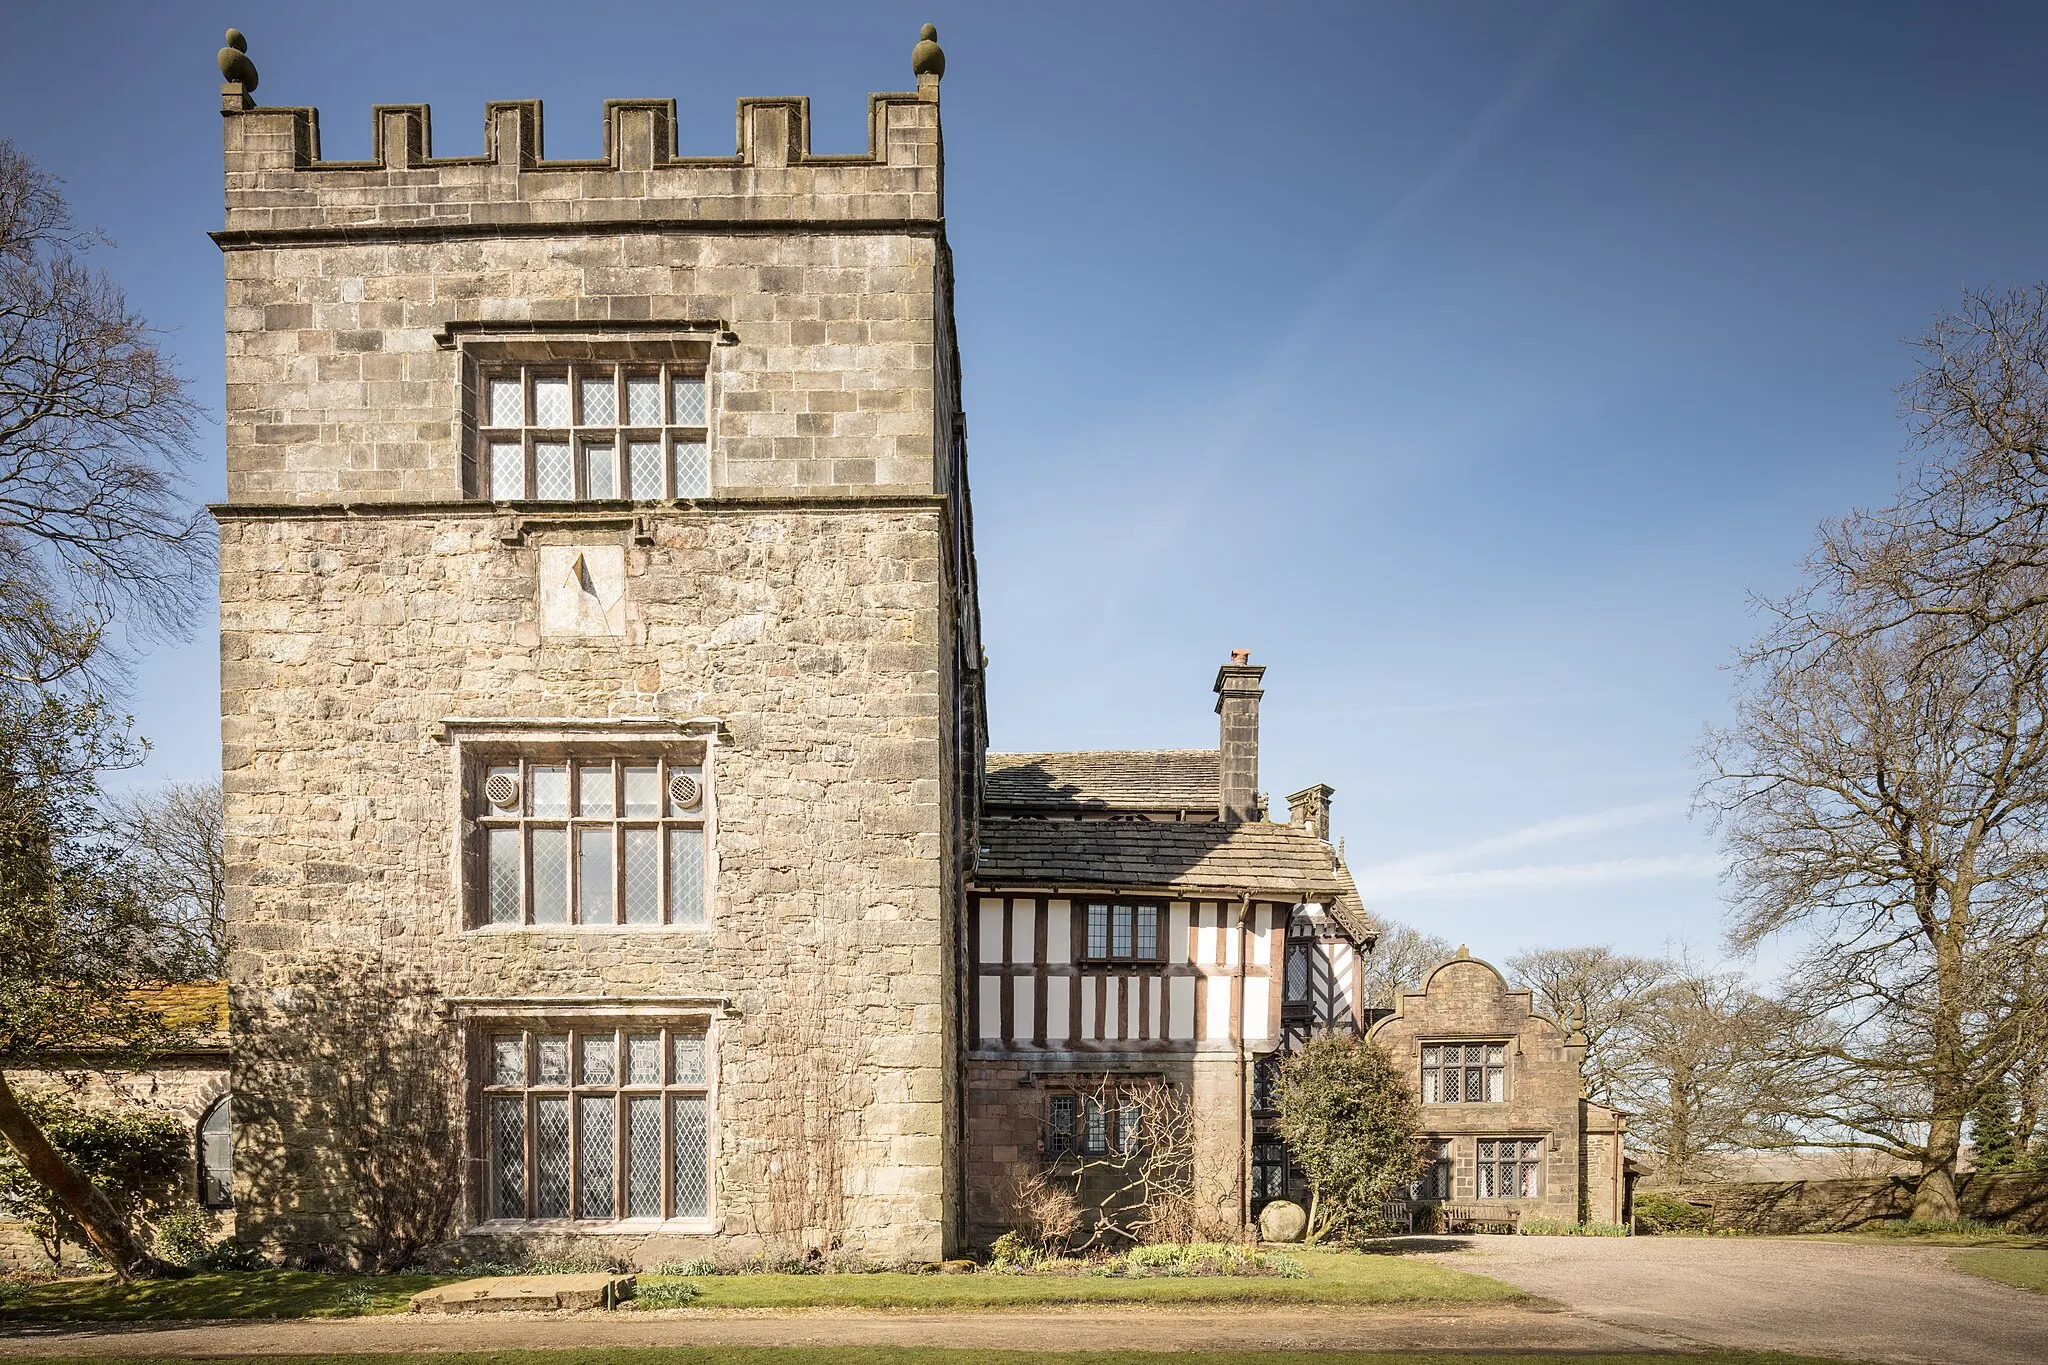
(1884, 1303)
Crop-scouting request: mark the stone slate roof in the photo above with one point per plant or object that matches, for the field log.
(1184, 858)
(1105, 779)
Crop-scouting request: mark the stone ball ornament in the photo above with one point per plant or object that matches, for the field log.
(928, 58)
(234, 61)
(1283, 1220)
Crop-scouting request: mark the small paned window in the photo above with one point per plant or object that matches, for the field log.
(1269, 1172)
(1510, 1168)
(611, 1137)
(1296, 988)
(217, 1155)
(595, 431)
(1082, 1125)
(1060, 1125)
(1464, 1073)
(589, 841)
(1122, 933)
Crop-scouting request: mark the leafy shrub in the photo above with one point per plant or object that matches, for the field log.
(1349, 1119)
(1013, 1249)
(665, 1293)
(1200, 1259)
(229, 1256)
(133, 1156)
(1659, 1213)
(703, 1265)
(1564, 1227)
(184, 1234)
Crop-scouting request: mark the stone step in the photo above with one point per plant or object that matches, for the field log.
(525, 1294)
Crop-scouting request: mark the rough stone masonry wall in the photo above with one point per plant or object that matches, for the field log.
(1467, 999)
(362, 602)
(346, 639)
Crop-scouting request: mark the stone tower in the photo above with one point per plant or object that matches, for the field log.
(600, 682)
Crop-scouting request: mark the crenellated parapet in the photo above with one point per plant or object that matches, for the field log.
(279, 186)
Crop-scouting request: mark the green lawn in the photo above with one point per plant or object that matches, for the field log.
(910, 1355)
(255, 1294)
(2026, 1269)
(1334, 1278)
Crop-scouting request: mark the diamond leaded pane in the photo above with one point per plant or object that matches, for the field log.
(689, 1050)
(501, 856)
(689, 396)
(643, 400)
(643, 1157)
(686, 876)
(596, 1156)
(600, 472)
(643, 470)
(508, 1059)
(551, 1157)
(553, 476)
(693, 470)
(508, 471)
(550, 876)
(643, 876)
(551, 402)
(594, 876)
(643, 1059)
(643, 790)
(597, 1058)
(508, 1157)
(550, 790)
(600, 402)
(507, 405)
(692, 1181)
(551, 1051)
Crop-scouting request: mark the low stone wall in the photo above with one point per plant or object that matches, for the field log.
(1783, 1206)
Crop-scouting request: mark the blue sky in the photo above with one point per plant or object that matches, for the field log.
(1473, 365)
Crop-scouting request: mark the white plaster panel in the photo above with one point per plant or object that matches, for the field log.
(1059, 932)
(1255, 1000)
(1023, 928)
(1113, 1010)
(989, 1007)
(1021, 1026)
(991, 931)
(1205, 932)
(1181, 992)
(1086, 985)
(1218, 1009)
(1262, 934)
(1177, 932)
(1056, 1010)
(1153, 987)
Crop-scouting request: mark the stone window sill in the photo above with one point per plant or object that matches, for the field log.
(697, 930)
(616, 1227)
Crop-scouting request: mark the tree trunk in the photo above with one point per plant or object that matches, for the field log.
(1934, 1198)
(104, 1227)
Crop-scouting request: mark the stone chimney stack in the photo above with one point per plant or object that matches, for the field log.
(1310, 808)
(1237, 702)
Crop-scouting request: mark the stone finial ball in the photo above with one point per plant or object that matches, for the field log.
(928, 58)
(1283, 1221)
(234, 61)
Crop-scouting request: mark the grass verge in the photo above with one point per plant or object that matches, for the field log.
(912, 1355)
(2022, 1269)
(1333, 1278)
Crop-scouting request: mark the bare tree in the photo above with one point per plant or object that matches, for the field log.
(1398, 961)
(1886, 792)
(174, 833)
(1704, 1066)
(95, 428)
(1125, 1174)
(1600, 993)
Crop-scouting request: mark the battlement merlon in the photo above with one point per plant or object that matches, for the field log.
(278, 187)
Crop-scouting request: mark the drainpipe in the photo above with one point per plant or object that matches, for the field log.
(1244, 1134)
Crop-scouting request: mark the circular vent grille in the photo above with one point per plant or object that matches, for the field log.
(683, 790)
(502, 790)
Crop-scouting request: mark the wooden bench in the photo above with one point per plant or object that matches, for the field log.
(1456, 1218)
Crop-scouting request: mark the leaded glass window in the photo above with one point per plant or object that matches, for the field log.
(595, 1123)
(1510, 1168)
(1435, 1181)
(589, 841)
(1122, 933)
(593, 431)
(1464, 1073)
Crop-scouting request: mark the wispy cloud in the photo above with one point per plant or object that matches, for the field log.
(1394, 884)
(1448, 872)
